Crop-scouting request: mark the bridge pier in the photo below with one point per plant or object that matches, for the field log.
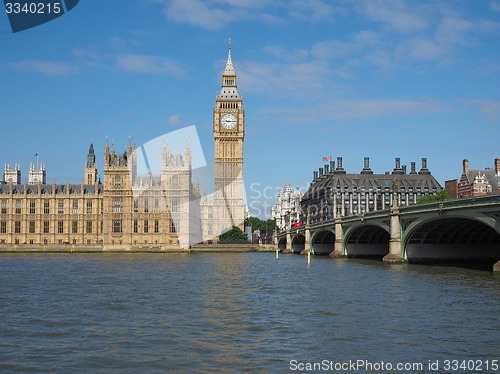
(394, 255)
(307, 244)
(288, 247)
(338, 246)
(496, 268)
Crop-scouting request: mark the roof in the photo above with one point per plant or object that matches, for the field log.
(489, 175)
(46, 189)
(347, 182)
(229, 70)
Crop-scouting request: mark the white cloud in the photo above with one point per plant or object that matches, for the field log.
(312, 10)
(488, 108)
(495, 6)
(278, 80)
(403, 16)
(331, 49)
(149, 64)
(216, 14)
(52, 68)
(174, 120)
(198, 13)
(353, 109)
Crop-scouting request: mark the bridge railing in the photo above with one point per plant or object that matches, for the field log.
(486, 200)
(492, 199)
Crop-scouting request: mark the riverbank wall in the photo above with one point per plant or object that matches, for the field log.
(68, 248)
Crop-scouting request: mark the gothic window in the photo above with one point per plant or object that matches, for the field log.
(32, 227)
(89, 207)
(117, 225)
(75, 207)
(175, 181)
(146, 226)
(157, 205)
(4, 207)
(135, 226)
(60, 207)
(174, 205)
(136, 206)
(46, 207)
(89, 227)
(3, 227)
(18, 207)
(172, 226)
(46, 227)
(60, 227)
(32, 206)
(17, 227)
(157, 226)
(146, 205)
(117, 206)
(74, 228)
(118, 181)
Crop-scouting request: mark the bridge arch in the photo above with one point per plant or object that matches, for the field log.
(282, 244)
(298, 243)
(323, 242)
(453, 238)
(367, 240)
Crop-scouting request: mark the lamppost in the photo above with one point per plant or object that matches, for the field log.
(394, 193)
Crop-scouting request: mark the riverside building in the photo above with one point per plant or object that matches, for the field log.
(334, 192)
(131, 210)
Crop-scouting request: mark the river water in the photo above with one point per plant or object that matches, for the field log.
(223, 312)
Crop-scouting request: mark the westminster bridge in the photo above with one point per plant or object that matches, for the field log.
(461, 230)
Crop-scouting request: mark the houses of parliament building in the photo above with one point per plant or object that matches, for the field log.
(131, 210)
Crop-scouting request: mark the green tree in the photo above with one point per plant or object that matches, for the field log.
(440, 196)
(262, 226)
(234, 235)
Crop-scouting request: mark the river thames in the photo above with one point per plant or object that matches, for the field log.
(223, 312)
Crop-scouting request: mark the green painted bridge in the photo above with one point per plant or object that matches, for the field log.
(461, 230)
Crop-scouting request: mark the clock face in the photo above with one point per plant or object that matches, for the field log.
(228, 121)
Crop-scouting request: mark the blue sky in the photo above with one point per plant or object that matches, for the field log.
(374, 78)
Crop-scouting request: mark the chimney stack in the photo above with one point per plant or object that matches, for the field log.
(404, 169)
(315, 175)
(326, 169)
(397, 169)
(332, 166)
(339, 169)
(465, 164)
(413, 168)
(320, 172)
(424, 169)
(366, 168)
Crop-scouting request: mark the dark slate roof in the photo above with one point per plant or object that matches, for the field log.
(47, 189)
(340, 181)
(489, 175)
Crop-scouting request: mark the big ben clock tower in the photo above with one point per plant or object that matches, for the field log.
(229, 131)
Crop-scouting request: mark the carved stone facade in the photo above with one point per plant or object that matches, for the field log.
(226, 208)
(476, 182)
(128, 209)
(125, 210)
(286, 212)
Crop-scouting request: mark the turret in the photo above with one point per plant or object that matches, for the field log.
(91, 167)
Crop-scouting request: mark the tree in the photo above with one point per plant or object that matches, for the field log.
(441, 196)
(233, 235)
(263, 226)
